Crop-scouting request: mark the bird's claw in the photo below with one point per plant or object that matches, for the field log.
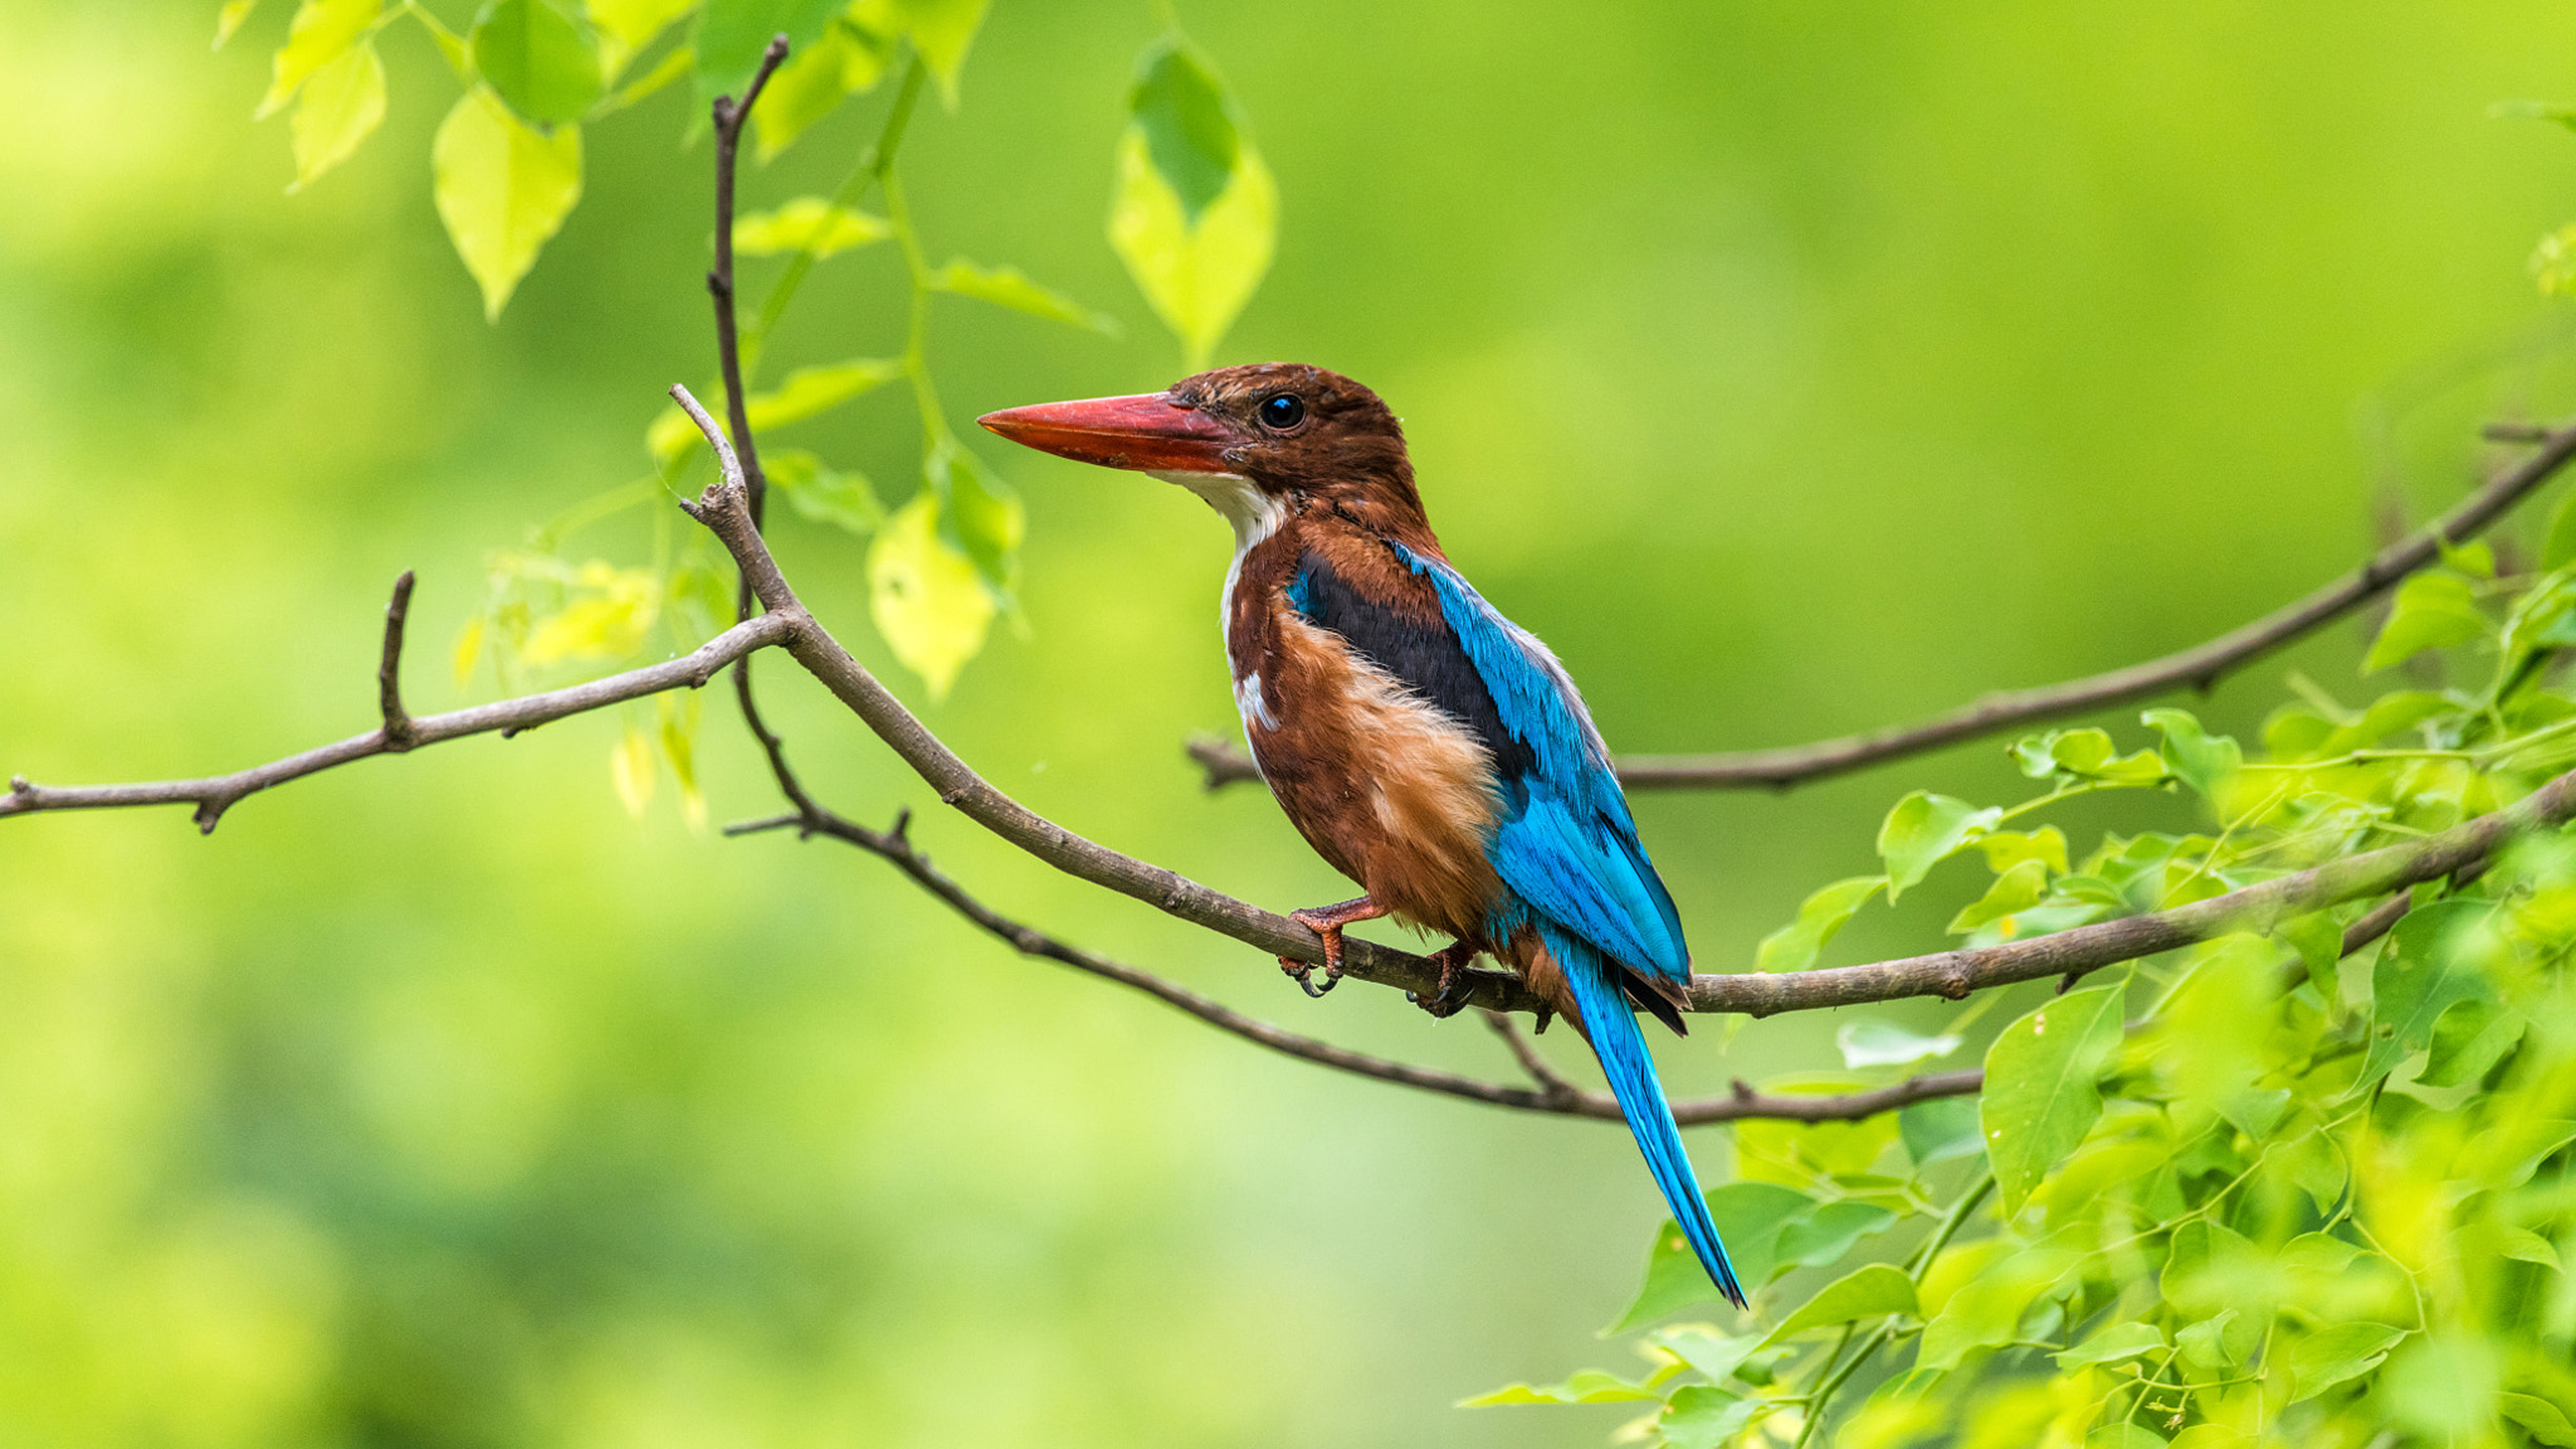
(1455, 988)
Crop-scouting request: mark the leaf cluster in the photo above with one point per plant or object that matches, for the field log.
(2259, 1191)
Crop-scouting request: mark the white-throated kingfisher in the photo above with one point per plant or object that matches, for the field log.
(1426, 746)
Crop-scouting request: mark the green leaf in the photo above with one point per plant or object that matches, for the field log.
(2525, 1246)
(2539, 1418)
(2331, 1356)
(1793, 947)
(732, 34)
(925, 595)
(2560, 550)
(630, 25)
(322, 29)
(2119, 1341)
(1591, 1386)
(2433, 610)
(339, 107)
(229, 19)
(812, 84)
(2013, 892)
(941, 30)
(1702, 1417)
(1821, 1238)
(537, 59)
(630, 769)
(2205, 1344)
(502, 189)
(1195, 215)
(1941, 1129)
(2318, 939)
(2199, 759)
(819, 492)
(679, 731)
(2476, 558)
(808, 391)
(2040, 1096)
(1188, 125)
(1870, 1043)
(2086, 754)
(1866, 1292)
(807, 224)
(2008, 848)
(2468, 1040)
(1749, 1217)
(1011, 287)
(2426, 968)
(673, 65)
(1923, 830)
(1987, 1309)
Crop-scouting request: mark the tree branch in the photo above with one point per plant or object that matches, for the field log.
(214, 794)
(400, 733)
(2199, 666)
(1556, 1095)
(729, 118)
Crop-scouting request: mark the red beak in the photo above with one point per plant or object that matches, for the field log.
(1148, 432)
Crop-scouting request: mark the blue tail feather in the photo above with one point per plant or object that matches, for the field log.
(1621, 1046)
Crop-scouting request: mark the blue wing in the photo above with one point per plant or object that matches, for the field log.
(1567, 845)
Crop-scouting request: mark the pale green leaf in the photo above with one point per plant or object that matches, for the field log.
(925, 596)
(807, 224)
(2524, 1245)
(2119, 1341)
(822, 493)
(1871, 1043)
(673, 65)
(2201, 760)
(1940, 1129)
(339, 107)
(2040, 1096)
(627, 26)
(2206, 1344)
(1591, 1386)
(1820, 1238)
(1820, 917)
(1987, 1308)
(1011, 287)
(732, 34)
(941, 30)
(630, 769)
(538, 60)
(1195, 214)
(502, 189)
(2016, 890)
(469, 650)
(811, 390)
(1867, 1292)
(322, 29)
(1749, 1216)
(979, 515)
(2433, 610)
(1923, 830)
(2331, 1356)
(2008, 848)
(607, 616)
(2541, 1419)
(1700, 1416)
(230, 18)
(678, 718)
(2086, 754)
(2426, 968)
(812, 84)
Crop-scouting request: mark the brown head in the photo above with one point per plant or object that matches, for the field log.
(1258, 442)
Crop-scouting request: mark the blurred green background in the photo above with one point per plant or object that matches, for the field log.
(1791, 369)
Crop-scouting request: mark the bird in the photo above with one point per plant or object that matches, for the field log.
(1426, 746)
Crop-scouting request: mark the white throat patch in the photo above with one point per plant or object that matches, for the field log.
(1255, 516)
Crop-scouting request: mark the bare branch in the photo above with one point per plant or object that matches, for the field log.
(1551, 1085)
(214, 794)
(2199, 666)
(729, 118)
(400, 733)
(1556, 1095)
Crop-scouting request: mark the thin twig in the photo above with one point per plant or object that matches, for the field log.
(729, 118)
(2199, 666)
(1526, 1052)
(214, 794)
(400, 733)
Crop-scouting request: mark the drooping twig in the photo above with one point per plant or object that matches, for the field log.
(1555, 1094)
(1551, 1084)
(214, 794)
(2199, 666)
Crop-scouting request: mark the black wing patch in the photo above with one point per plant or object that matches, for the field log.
(1425, 655)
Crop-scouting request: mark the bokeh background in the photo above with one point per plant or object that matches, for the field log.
(1790, 368)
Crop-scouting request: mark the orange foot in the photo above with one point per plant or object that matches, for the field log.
(1453, 960)
(1327, 922)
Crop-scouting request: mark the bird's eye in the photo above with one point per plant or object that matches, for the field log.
(1282, 412)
